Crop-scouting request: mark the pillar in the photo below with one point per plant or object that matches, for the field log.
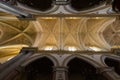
(60, 73)
(109, 73)
(15, 73)
(9, 69)
(13, 60)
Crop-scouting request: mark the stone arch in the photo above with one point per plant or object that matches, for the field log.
(70, 9)
(112, 61)
(48, 11)
(74, 69)
(86, 59)
(40, 68)
(35, 57)
(103, 57)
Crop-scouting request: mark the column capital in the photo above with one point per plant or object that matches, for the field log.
(60, 73)
(60, 68)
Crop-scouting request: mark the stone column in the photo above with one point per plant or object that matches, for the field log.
(14, 74)
(60, 73)
(109, 73)
(13, 60)
(10, 71)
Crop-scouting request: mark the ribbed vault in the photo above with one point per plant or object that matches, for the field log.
(56, 33)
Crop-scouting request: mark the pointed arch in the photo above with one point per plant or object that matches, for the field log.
(38, 56)
(84, 58)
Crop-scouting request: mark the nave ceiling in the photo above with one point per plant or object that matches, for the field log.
(58, 33)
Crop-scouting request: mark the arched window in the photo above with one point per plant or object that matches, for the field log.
(80, 70)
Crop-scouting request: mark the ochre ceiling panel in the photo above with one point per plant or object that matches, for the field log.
(61, 33)
(112, 33)
(16, 32)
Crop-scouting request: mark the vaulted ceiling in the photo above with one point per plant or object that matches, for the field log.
(58, 33)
